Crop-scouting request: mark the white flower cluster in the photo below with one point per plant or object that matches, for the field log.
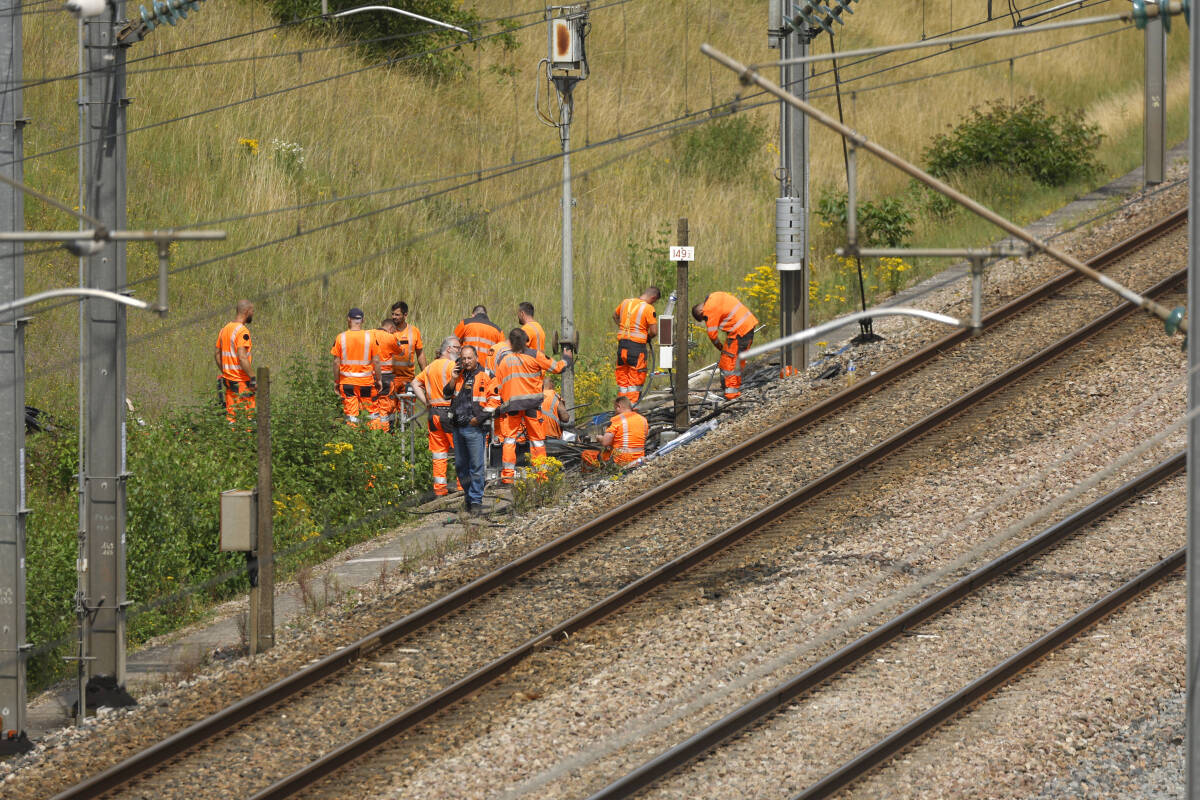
(291, 154)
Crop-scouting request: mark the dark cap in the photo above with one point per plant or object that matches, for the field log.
(354, 313)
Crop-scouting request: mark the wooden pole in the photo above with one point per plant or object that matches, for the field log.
(683, 316)
(264, 615)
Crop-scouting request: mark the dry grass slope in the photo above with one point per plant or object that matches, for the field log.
(363, 127)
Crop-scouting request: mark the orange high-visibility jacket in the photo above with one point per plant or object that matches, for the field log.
(536, 334)
(355, 351)
(519, 378)
(482, 334)
(636, 316)
(723, 311)
(629, 431)
(434, 378)
(233, 337)
(408, 342)
(484, 390)
(551, 402)
(386, 348)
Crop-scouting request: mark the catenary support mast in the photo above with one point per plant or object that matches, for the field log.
(13, 737)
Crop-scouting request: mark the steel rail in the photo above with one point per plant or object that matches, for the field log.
(993, 679)
(468, 685)
(769, 702)
(213, 725)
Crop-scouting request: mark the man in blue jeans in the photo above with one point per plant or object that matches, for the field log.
(473, 397)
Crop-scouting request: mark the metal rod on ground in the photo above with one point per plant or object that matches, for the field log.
(679, 336)
(264, 638)
(749, 76)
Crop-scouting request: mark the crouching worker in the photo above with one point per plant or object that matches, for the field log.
(624, 440)
(473, 398)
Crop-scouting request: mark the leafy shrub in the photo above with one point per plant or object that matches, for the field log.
(1022, 138)
(886, 223)
(760, 290)
(650, 265)
(327, 477)
(539, 486)
(433, 50)
(722, 150)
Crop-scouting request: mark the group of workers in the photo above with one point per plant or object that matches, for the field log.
(483, 380)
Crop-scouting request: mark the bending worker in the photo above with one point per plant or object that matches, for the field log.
(636, 326)
(356, 372)
(233, 361)
(554, 410)
(429, 387)
(624, 440)
(519, 381)
(472, 396)
(722, 311)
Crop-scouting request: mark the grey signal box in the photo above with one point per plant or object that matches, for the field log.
(239, 519)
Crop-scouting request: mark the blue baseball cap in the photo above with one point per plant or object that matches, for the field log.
(354, 313)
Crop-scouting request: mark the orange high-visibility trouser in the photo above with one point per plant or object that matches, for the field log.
(592, 458)
(441, 442)
(382, 407)
(508, 426)
(731, 364)
(239, 398)
(631, 369)
(355, 400)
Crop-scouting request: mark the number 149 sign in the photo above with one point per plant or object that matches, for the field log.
(679, 253)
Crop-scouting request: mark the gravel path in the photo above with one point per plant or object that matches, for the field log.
(53, 765)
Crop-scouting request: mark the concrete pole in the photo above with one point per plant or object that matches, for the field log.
(791, 218)
(104, 483)
(13, 737)
(683, 318)
(264, 635)
(1155, 137)
(1192, 755)
(567, 324)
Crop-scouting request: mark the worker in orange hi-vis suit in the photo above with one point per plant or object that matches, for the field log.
(232, 355)
(356, 372)
(411, 358)
(429, 387)
(554, 410)
(383, 406)
(481, 333)
(721, 311)
(519, 380)
(624, 440)
(533, 329)
(636, 326)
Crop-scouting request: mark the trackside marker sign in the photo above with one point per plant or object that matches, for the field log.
(682, 253)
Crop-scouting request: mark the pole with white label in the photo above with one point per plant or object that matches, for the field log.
(681, 255)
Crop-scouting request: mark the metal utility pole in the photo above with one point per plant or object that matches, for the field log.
(566, 65)
(679, 333)
(262, 592)
(1155, 136)
(791, 208)
(565, 86)
(13, 738)
(1192, 678)
(103, 569)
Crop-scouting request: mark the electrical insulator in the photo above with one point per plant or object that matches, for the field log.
(168, 11)
(816, 16)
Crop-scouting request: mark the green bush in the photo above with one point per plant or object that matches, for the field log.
(886, 223)
(650, 265)
(722, 150)
(328, 479)
(1022, 138)
(430, 49)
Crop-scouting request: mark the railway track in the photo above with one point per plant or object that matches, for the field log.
(617, 540)
(747, 716)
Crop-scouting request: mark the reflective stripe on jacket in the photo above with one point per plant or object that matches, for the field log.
(354, 351)
(434, 378)
(519, 378)
(536, 334)
(629, 431)
(477, 400)
(233, 335)
(722, 311)
(408, 341)
(636, 317)
(386, 348)
(482, 334)
(551, 402)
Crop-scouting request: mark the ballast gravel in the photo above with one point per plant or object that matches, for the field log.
(74, 754)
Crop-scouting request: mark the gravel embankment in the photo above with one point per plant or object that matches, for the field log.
(60, 761)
